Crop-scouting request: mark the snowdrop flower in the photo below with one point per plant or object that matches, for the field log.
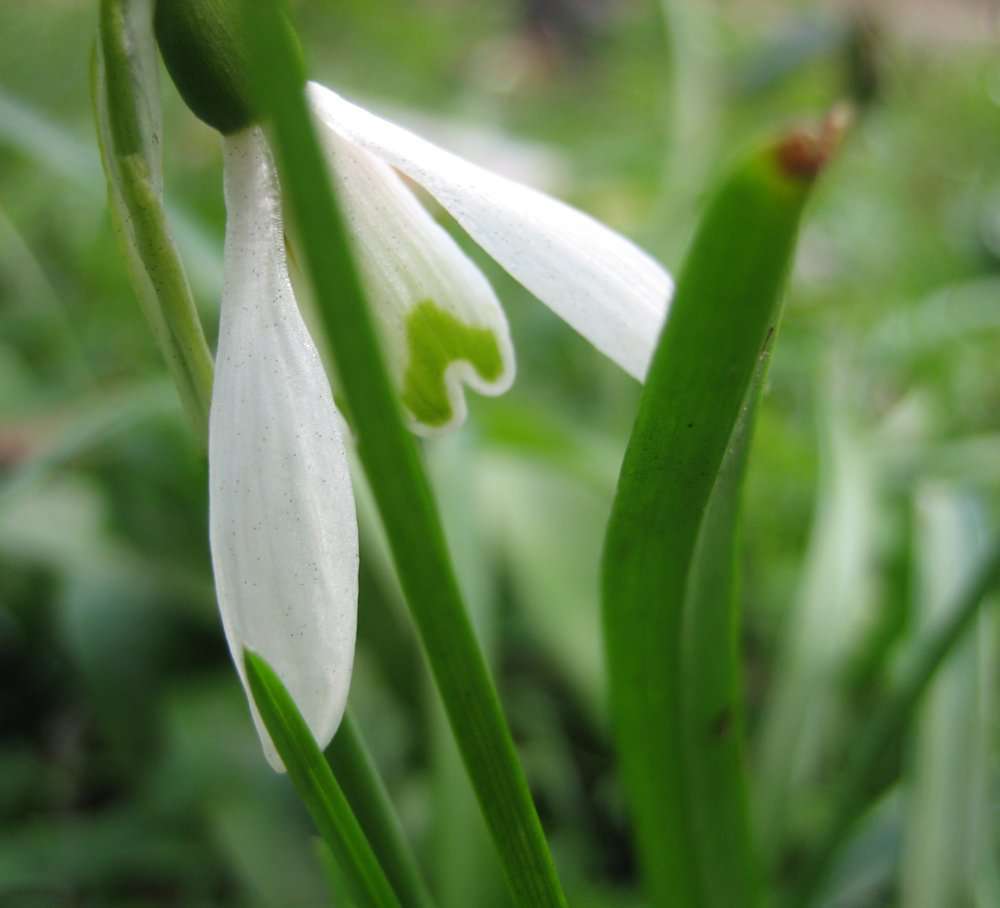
(282, 525)
(283, 528)
(439, 317)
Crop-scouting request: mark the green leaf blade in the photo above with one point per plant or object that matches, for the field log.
(721, 323)
(949, 741)
(311, 775)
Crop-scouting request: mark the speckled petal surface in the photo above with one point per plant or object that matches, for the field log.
(439, 319)
(601, 284)
(282, 520)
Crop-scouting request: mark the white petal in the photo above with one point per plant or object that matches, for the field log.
(283, 528)
(439, 318)
(601, 284)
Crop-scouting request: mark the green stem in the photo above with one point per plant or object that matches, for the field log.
(363, 786)
(318, 789)
(127, 106)
(400, 486)
(889, 722)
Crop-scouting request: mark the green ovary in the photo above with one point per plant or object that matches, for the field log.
(435, 338)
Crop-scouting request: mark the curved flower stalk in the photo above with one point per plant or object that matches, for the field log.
(283, 526)
(125, 87)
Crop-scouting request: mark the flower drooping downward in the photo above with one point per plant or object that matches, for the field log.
(438, 314)
(282, 523)
(283, 527)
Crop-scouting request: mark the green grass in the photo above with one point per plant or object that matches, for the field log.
(126, 749)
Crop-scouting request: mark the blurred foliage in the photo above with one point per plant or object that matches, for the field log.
(129, 770)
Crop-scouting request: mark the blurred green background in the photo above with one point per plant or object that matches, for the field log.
(129, 770)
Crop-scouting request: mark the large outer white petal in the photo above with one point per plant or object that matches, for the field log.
(597, 281)
(407, 260)
(283, 527)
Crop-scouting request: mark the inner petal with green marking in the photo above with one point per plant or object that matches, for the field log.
(436, 338)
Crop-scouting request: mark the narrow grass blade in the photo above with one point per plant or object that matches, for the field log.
(939, 853)
(318, 789)
(722, 320)
(365, 791)
(825, 628)
(128, 127)
(398, 481)
(890, 720)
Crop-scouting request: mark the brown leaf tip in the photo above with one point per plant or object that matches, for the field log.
(804, 152)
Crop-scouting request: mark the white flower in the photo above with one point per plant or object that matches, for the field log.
(281, 516)
(283, 526)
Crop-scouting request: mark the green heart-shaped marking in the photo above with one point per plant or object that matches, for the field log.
(435, 338)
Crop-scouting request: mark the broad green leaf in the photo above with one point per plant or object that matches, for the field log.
(398, 480)
(722, 321)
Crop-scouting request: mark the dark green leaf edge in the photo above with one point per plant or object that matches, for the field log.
(359, 778)
(313, 780)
